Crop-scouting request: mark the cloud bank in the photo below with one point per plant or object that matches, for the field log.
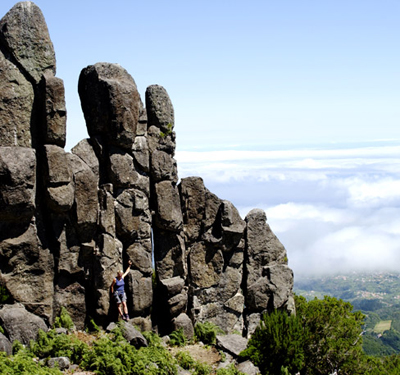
(335, 210)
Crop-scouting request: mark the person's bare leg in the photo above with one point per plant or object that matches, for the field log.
(125, 308)
(120, 309)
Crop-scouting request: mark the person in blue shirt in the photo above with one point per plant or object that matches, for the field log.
(118, 291)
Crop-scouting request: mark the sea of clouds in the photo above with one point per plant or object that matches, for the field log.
(336, 209)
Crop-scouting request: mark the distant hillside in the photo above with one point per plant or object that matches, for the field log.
(377, 295)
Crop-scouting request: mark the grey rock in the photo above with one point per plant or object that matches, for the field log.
(131, 334)
(169, 213)
(132, 215)
(173, 286)
(233, 344)
(123, 173)
(22, 259)
(248, 368)
(16, 103)
(163, 167)
(85, 150)
(72, 297)
(144, 324)
(62, 363)
(184, 322)
(160, 111)
(55, 111)
(110, 103)
(23, 31)
(193, 202)
(107, 210)
(169, 254)
(178, 303)
(20, 324)
(140, 254)
(158, 140)
(141, 153)
(56, 168)
(17, 183)
(140, 290)
(86, 207)
(5, 344)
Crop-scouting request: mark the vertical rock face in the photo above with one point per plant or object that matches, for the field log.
(70, 221)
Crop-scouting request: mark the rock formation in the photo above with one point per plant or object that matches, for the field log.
(70, 220)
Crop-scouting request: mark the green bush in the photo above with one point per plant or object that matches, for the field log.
(185, 360)
(277, 342)
(4, 295)
(23, 363)
(230, 370)
(178, 338)
(64, 320)
(51, 344)
(206, 332)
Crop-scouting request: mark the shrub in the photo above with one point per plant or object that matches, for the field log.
(4, 295)
(64, 320)
(206, 332)
(178, 338)
(185, 360)
(230, 370)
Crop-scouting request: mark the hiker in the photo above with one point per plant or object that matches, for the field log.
(117, 289)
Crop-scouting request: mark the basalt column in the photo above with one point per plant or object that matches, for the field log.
(117, 126)
(27, 60)
(213, 233)
(169, 246)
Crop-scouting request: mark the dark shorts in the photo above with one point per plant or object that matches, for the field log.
(119, 297)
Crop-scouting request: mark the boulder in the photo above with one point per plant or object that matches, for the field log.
(233, 344)
(110, 102)
(184, 322)
(72, 297)
(23, 31)
(131, 334)
(140, 293)
(62, 363)
(248, 368)
(20, 324)
(5, 344)
(55, 112)
(17, 183)
(160, 111)
(169, 213)
(172, 286)
(139, 253)
(27, 271)
(16, 104)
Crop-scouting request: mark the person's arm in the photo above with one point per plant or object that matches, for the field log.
(112, 286)
(127, 270)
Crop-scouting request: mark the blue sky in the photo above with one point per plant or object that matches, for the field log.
(313, 86)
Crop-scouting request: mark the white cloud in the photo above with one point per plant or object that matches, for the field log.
(334, 210)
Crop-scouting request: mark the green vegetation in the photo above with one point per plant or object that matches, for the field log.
(178, 338)
(375, 295)
(64, 320)
(382, 326)
(168, 132)
(4, 295)
(323, 337)
(206, 332)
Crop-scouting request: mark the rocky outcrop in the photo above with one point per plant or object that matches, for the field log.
(70, 220)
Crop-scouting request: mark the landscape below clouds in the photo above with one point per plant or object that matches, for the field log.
(335, 208)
